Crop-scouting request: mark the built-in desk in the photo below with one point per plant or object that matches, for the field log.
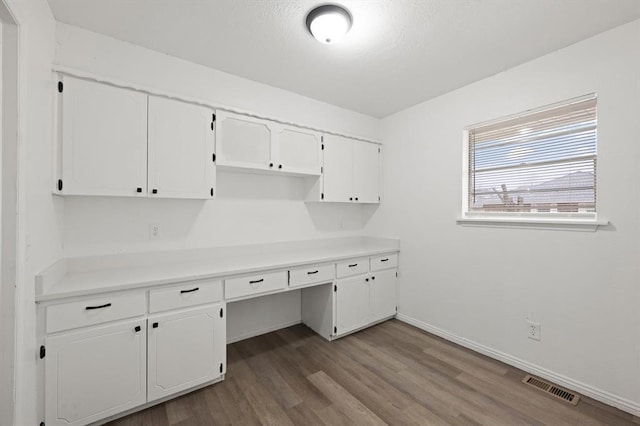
(122, 332)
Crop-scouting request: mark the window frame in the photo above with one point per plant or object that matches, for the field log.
(588, 221)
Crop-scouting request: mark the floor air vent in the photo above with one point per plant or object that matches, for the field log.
(558, 392)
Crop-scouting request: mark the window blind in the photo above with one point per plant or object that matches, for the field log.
(538, 162)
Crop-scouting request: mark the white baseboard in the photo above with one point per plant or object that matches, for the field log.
(582, 388)
(261, 331)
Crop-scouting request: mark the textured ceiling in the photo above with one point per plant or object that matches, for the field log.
(398, 53)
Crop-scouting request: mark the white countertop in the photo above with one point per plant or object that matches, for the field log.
(71, 277)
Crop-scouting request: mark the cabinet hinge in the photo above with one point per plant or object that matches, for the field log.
(59, 184)
(60, 87)
(378, 150)
(43, 351)
(213, 118)
(322, 138)
(323, 147)
(396, 309)
(213, 157)
(221, 312)
(221, 367)
(378, 198)
(335, 288)
(211, 192)
(322, 196)
(396, 275)
(335, 330)
(321, 169)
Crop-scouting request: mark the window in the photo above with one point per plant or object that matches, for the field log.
(539, 163)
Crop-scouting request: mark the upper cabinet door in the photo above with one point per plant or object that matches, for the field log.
(104, 140)
(243, 141)
(338, 169)
(366, 172)
(181, 147)
(298, 150)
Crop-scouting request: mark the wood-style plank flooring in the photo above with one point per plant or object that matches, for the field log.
(391, 373)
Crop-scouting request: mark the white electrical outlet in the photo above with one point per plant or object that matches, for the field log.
(533, 330)
(154, 231)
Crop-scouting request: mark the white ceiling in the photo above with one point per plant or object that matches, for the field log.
(398, 53)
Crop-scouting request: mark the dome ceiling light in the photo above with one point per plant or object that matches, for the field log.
(329, 23)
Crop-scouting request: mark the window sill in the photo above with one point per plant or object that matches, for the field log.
(556, 223)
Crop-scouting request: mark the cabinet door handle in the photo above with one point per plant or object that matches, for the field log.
(155, 325)
(106, 305)
(312, 272)
(280, 166)
(270, 164)
(138, 189)
(350, 198)
(373, 278)
(384, 260)
(256, 281)
(356, 198)
(155, 191)
(137, 329)
(353, 266)
(366, 279)
(189, 291)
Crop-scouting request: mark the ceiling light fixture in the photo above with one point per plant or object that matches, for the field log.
(329, 23)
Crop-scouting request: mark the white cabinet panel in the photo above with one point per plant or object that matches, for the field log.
(181, 147)
(235, 288)
(382, 294)
(299, 150)
(185, 295)
(185, 349)
(366, 172)
(352, 267)
(243, 141)
(95, 373)
(311, 274)
(95, 310)
(104, 139)
(338, 169)
(352, 304)
(387, 261)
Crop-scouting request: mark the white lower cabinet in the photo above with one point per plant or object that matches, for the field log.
(382, 294)
(185, 349)
(352, 304)
(95, 373)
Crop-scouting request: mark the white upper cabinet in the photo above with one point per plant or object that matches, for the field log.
(298, 150)
(243, 141)
(121, 142)
(103, 131)
(181, 149)
(366, 172)
(250, 143)
(351, 171)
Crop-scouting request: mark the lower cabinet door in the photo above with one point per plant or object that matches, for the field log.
(382, 294)
(185, 349)
(95, 373)
(352, 304)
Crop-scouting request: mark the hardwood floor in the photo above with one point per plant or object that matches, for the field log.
(390, 374)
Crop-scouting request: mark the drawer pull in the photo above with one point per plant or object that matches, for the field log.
(353, 266)
(312, 272)
(384, 260)
(106, 305)
(189, 291)
(256, 281)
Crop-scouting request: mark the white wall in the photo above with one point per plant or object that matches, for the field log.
(38, 228)
(481, 284)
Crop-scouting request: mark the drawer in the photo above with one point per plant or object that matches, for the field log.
(185, 295)
(387, 261)
(96, 310)
(352, 267)
(255, 284)
(311, 274)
